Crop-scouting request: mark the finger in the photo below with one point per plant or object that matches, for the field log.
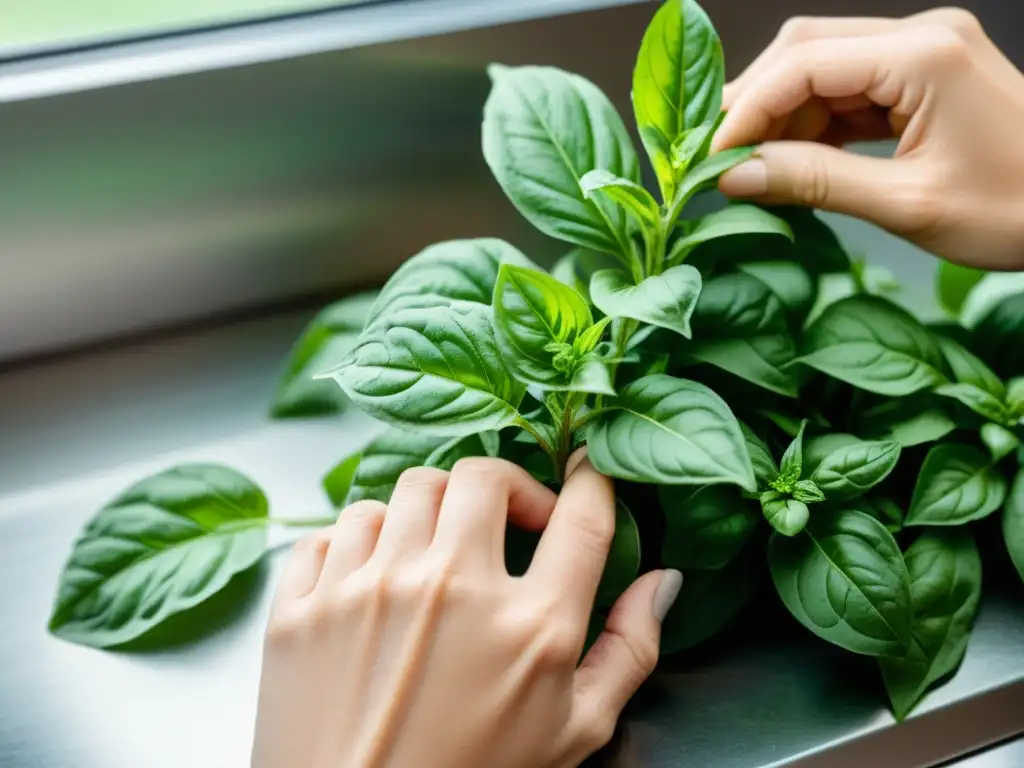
(302, 568)
(623, 656)
(353, 539)
(412, 513)
(819, 176)
(574, 547)
(483, 496)
(808, 121)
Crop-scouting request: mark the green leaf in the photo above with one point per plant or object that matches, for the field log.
(760, 458)
(327, 339)
(382, 461)
(872, 344)
(1013, 523)
(845, 580)
(452, 271)
(535, 315)
(632, 197)
(883, 509)
(338, 482)
(706, 527)
(952, 284)
(670, 431)
(692, 146)
(704, 175)
(437, 370)
(786, 515)
(909, 421)
(677, 81)
(792, 464)
(445, 455)
(999, 335)
(945, 586)
(787, 280)
(577, 267)
(808, 492)
(707, 602)
(844, 467)
(737, 306)
(957, 484)
(978, 400)
(968, 369)
(162, 547)
(985, 298)
(623, 562)
(543, 130)
(736, 219)
(761, 360)
(666, 300)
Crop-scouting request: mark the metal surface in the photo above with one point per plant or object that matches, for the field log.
(1009, 755)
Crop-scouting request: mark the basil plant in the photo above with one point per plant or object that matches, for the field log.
(750, 389)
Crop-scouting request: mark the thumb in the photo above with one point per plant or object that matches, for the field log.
(831, 179)
(623, 656)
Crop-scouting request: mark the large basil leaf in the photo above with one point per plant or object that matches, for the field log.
(787, 280)
(761, 360)
(706, 527)
(736, 219)
(677, 81)
(437, 370)
(1000, 441)
(987, 294)
(1013, 523)
(707, 602)
(164, 546)
(872, 344)
(978, 400)
(953, 283)
(325, 341)
(909, 421)
(455, 270)
(968, 369)
(666, 300)
(786, 515)
(633, 198)
(540, 324)
(945, 586)
(543, 130)
(623, 562)
(844, 467)
(670, 431)
(736, 305)
(845, 580)
(760, 458)
(956, 484)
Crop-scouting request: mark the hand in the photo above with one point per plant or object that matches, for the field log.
(400, 639)
(934, 81)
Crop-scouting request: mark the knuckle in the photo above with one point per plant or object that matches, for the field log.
(809, 180)
(366, 511)
(422, 478)
(561, 646)
(598, 730)
(476, 469)
(283, 628)
(923, 204)
(944, 47)
(959, 20)
(797, 29)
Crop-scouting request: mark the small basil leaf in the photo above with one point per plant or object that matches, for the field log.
(693, 145)
(808, 492)
(845, 580)
(945, 586)
(790, 282)
(704, 175)
(737, 306)
(978, 400)
(760, 457)
(707, 602)
(792, 464)
(666, 300)
(736, 219)
(786, 515)
(437, 370)
(956, 484)
(670, 431)
(623, 561)
(543, 130)
(325, 341)
(338, 482)
(164, 546)
(852, 468)
(872, 344)
(706, 527)
(968, 369)
(632, 197)
(761, 360)
(1000, 441)
(1013, 523)
(677, 81)
(952, 284)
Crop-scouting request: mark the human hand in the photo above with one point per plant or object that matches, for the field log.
(935, 81)
(400, 640)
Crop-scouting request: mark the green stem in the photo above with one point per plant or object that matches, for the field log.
(302, 522)
(527, 427)
(586, 419)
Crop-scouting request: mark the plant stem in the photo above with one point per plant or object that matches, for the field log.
(527, 427)
(302, 522)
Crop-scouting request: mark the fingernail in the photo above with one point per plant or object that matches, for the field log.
(749, 179)
(666, 593)
(575, 460)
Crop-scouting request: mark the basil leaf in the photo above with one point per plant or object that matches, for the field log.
(909, 421)
(736, 219)
(692, 146)
(968, 369)
(704, 175)
(978, 400)
(326, 340)
(382, 461)
(945, 586)
(1000, 336)
(666, 300)
(453, 449)
(808, 492)
(786, 515)
(953, 283)
(577, 267)
(760, 457)
(707, 602)
(706, 527)
(1013, 523)
(632, 197)
(677, 81)
(872, 344)
(437, 370)
(792, 464)
(623, 562)
(845, 580)
(338, 481)
(985, 298)
(846, 469)
(737, 305)
(164, 546)
(543, 130)
(452, 271)
(790, 282)
(883, 509)
(956, 484)
(760, 360)
(670, 431)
